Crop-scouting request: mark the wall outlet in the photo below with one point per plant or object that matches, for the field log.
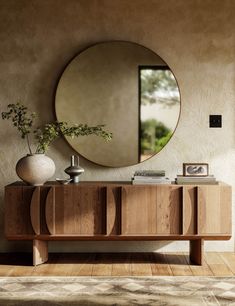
(215, 121)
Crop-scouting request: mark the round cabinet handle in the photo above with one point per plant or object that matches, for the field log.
(50, 211)
(35, 210)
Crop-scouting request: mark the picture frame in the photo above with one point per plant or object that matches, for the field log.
(195, 169)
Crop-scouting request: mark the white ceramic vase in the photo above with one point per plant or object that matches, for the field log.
(35, 169)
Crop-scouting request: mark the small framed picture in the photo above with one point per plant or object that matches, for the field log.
(195, 169)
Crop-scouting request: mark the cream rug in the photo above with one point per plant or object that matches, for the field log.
(159, 290)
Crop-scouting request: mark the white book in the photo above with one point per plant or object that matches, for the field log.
(148, 178)
(194, 180)
(150, 183)
(208, 177)
(197, 183)
(151, 173)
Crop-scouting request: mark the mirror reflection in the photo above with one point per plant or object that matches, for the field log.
(159, 107)
(128, 88)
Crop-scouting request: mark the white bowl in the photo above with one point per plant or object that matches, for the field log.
(63, 181)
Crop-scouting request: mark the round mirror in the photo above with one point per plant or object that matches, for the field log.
(130, 90)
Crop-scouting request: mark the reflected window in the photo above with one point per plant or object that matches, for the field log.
(159, 103)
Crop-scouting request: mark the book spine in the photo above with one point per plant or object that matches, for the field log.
(197, 183)
(150, 178)
(150, 183)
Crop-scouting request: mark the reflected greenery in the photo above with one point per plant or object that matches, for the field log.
(159, 90)
(158, 86)
(154, 136)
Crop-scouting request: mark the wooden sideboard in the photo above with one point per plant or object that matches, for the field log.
(117, 211)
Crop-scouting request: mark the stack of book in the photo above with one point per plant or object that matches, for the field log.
(196, 180)
(150, 177)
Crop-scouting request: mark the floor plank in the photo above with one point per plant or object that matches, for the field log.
(117, 264)
(217, 265)
(48, 268)
(140, 264)
(121, 265)
(159, 265)
(102, 265)
(229, 260)
(71, 264)
(85, 266)
(178, 264)
(16, 264)
(9, 262)
(197, 270)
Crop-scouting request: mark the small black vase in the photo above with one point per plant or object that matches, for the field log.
(74, 170)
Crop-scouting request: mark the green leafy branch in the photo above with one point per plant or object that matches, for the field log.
(21, 120)
(45, 135)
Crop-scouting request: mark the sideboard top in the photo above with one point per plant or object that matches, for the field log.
(105, 183)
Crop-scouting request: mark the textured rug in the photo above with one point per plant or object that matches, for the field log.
(71, 291)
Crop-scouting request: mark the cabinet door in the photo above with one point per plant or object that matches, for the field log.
(75, 210)
(17, 210)
(150, 210)
(214, 210)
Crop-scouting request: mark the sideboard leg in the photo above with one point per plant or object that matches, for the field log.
(196, 251)
(40, 252)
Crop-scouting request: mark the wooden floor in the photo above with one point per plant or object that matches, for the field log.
(117, 264)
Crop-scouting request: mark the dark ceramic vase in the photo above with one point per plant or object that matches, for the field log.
(74, 170)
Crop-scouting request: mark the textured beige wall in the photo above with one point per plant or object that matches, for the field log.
(195, 37)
